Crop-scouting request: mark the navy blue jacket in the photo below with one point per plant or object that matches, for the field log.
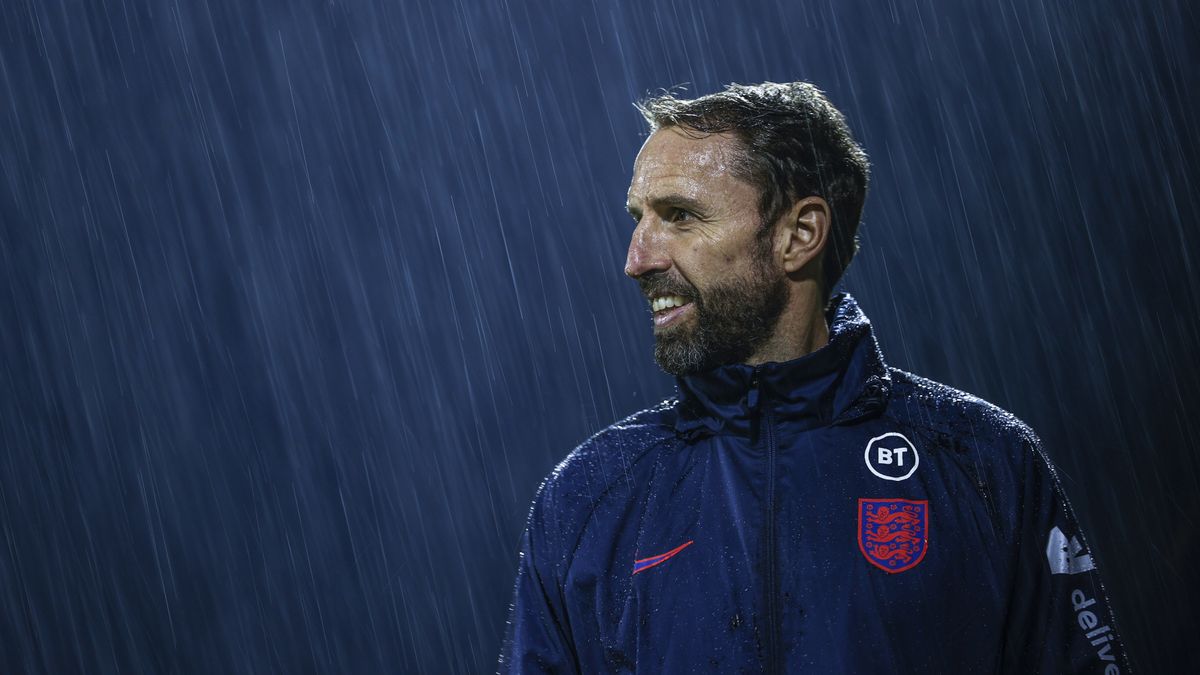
(829, 514)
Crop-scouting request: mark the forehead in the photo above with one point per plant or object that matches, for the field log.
(672, 162)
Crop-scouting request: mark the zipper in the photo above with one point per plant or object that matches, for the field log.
(758, 400)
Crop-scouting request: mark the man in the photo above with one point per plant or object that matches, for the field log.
(800, 506)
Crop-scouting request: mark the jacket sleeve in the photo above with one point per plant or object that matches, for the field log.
(537, 637)
(1060, 620)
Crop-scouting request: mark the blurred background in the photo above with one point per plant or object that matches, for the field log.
(300, 301)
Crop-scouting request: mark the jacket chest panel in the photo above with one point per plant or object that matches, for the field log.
(691, 550)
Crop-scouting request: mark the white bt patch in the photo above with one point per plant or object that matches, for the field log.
(891, 456)
(1066, 556)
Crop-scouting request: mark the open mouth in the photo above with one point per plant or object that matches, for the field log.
(667, 309)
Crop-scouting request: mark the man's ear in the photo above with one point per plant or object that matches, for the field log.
(805, 230)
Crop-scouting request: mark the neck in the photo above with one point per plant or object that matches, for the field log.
(801, 330)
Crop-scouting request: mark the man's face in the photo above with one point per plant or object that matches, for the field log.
(699, 255)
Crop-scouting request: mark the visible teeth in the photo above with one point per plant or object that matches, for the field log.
(666, 302)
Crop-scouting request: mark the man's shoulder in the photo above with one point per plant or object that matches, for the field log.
(956, 414)
(607, 459)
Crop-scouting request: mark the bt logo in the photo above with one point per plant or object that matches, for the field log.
(891, 456)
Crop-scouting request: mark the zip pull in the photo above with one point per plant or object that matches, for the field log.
(753, 397)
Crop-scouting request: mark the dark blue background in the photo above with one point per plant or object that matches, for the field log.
(301, 300)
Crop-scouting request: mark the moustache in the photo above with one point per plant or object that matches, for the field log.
(659, 283)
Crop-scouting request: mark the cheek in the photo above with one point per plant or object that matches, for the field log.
(703, 256)
(705, 252)
(710, 254)
(712, 263)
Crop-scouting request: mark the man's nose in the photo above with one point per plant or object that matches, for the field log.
(646, 253)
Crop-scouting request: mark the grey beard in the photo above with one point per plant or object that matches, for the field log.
(733, 320)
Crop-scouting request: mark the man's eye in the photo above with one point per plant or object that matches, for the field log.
(682, 214)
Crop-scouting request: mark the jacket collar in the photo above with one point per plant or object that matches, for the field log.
(842, 381)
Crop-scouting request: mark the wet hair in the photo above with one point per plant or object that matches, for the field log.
(795, 144)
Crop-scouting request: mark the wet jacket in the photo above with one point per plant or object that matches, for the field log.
(830, 514)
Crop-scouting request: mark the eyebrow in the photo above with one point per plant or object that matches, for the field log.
(676, 200)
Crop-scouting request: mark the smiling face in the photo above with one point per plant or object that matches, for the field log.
(699, 254)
